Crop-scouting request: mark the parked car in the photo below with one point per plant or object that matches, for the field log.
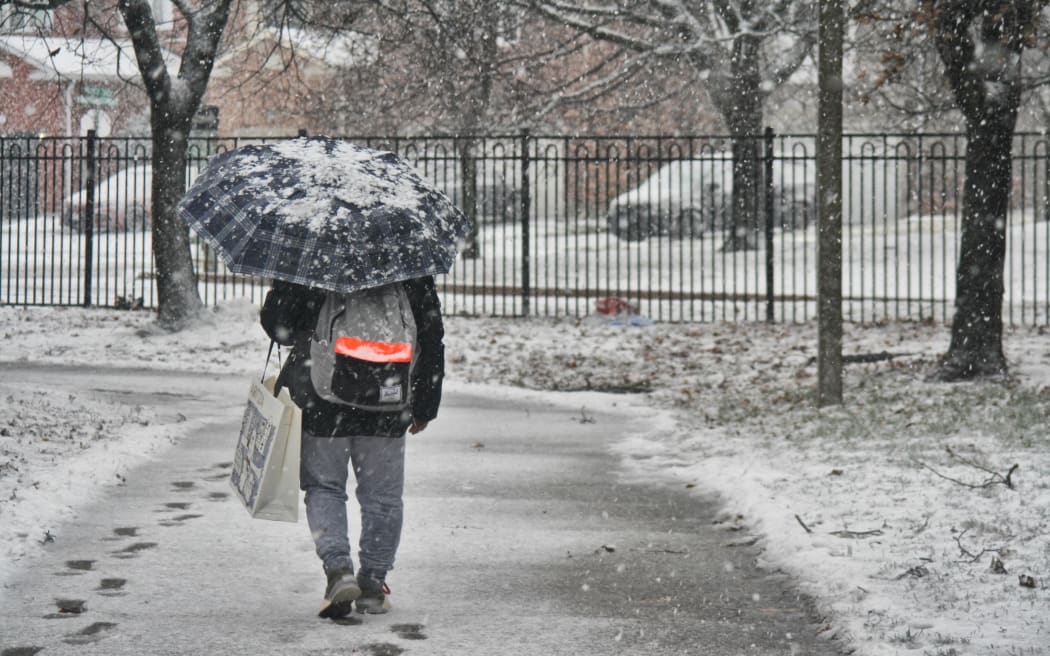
(497, 202)
(122, 202)
(498, 193)
(688, 198)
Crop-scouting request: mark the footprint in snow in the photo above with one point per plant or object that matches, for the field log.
(409, 631)
(90, 633)
(112, 587)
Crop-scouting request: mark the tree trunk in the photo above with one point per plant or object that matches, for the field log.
(177, 294)
(468, 175)
(829, 193)
(484, 30)
(976, 348)
(985, 78)
(171, 113)
(742, 109)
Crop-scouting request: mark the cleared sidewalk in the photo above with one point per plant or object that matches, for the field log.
(521, 537)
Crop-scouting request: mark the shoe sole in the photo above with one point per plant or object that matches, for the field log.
(341, 604)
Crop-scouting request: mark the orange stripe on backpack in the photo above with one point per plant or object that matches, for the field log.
(374, 351)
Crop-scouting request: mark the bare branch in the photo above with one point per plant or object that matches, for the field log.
(995, 478)
(35, 4)
(595, 88)
(917, 572)
(845, 533)
(561, 14)
(803, 524)
(973, 558)
(800, 51)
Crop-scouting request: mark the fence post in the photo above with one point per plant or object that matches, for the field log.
(89, 216)
(769, 200)
(1046, 177)
(526, 202)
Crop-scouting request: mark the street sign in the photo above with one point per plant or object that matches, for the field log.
(96, 96)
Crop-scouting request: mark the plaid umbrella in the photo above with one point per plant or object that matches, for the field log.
(323, 213)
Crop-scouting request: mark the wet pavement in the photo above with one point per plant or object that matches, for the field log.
(522, 536)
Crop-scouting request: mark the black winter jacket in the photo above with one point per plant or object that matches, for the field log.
(289, 315)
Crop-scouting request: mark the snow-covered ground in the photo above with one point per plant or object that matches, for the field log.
(901, 512)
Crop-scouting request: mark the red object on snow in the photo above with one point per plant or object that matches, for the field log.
(615, 305)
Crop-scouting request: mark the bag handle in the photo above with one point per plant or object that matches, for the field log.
(269, 354)
(267, 363)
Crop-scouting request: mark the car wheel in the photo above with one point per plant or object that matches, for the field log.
(629, 224)
(105, 223)
(72, 220)
(689, 223)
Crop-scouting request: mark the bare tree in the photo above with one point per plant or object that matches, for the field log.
(991, 60)
(457, 47)
(460, 68)
(738, 50)
(981, 43)
(429, 63)
(474, 67)
(483, 65)
(899, 80)
(173, 103)
(290, 52)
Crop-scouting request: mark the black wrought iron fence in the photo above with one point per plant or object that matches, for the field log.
(664, 223)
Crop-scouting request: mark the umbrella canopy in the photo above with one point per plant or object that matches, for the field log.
(323, 213)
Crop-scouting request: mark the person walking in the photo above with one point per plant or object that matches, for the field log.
(337, 437)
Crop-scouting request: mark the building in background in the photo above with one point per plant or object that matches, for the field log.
(64, 71)
(270, 80)
(62, 78)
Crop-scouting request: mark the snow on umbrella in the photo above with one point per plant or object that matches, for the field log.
(323, 213)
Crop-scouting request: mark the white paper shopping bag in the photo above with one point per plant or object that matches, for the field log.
(266, 461)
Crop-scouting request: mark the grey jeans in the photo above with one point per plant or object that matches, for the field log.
(379, 468)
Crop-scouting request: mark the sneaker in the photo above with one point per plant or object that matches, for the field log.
(340, 594)
(375, 596)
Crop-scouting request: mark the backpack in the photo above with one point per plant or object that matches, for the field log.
(363, 349)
